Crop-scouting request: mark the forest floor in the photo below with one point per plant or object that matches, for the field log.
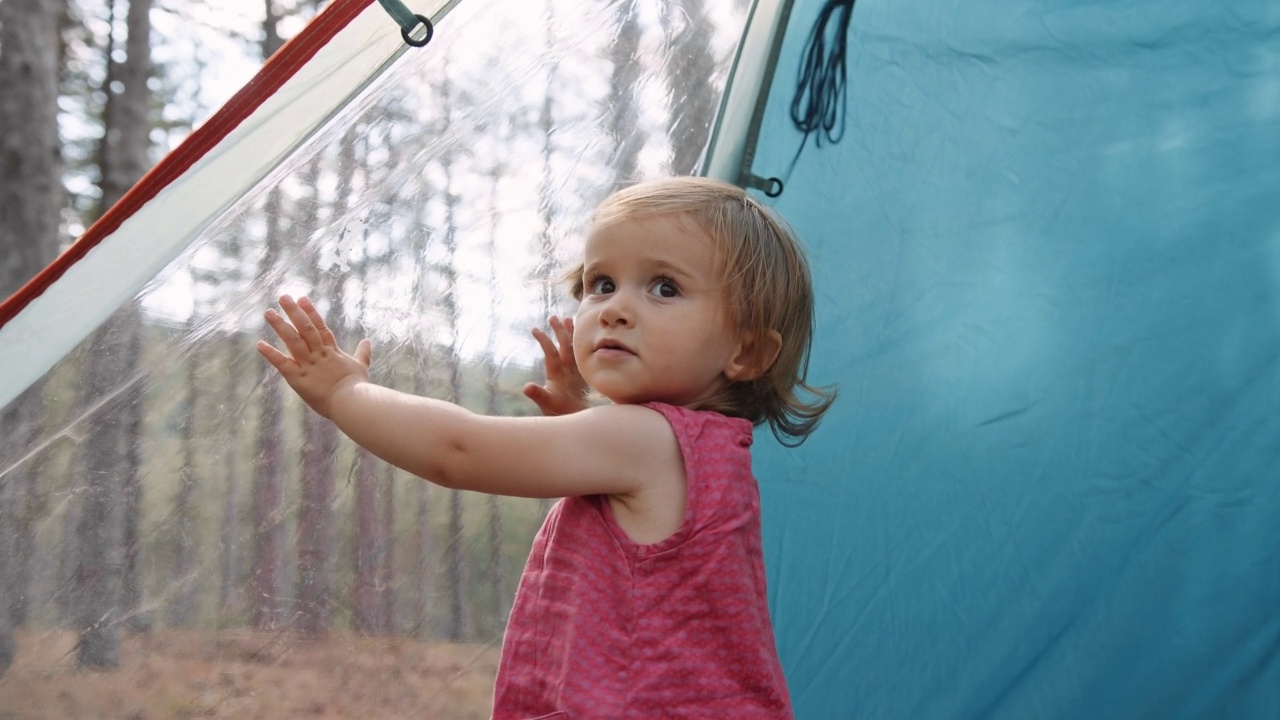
(244, 674)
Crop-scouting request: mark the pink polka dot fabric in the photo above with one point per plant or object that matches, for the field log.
(605, 628)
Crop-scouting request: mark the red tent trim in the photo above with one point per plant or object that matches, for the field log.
(274, 73)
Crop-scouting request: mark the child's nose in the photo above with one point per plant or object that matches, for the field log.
(616, 311)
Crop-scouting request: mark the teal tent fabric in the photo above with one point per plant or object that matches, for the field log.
(1047, 255)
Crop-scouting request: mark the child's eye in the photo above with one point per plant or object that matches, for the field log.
(664, 288)
(600, 286)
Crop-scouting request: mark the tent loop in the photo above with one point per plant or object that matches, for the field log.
(431, 30)
(408, 22)
(770, 186)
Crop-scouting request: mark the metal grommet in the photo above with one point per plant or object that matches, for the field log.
(431, 30)
(773, 188)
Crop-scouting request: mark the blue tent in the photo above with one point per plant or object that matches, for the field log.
(1047, 253)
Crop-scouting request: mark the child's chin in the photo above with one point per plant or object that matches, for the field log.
(619, 396)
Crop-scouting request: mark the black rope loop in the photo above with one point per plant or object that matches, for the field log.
(406, 32)
(819, 105)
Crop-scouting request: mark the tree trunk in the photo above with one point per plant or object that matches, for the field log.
(19, 423)
(548, 267)
(99, 533)
(30, 198)
(107, 575)
(182, 605)
(450, 275)
(126, 140)
(130, 474)
(365, 586)
(271, 40)
(266, 583)
(316, 530)
(315, 526)
(496, 560)
(690, 67)
(423, 546)
(388, 619)
(622, 110)
(30, 160)
(422, 601)
(229, 600)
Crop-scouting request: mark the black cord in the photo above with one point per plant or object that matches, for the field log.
(821, 101)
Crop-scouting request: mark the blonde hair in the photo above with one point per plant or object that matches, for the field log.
(769, 289)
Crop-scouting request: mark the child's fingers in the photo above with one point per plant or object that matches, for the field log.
(325, 335)
(551, 355)
(302, 323)
(294, 343)
(538, 395)
(364, 352)
(564, 336)
(277, 359)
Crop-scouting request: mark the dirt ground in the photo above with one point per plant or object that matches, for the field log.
(242, 674)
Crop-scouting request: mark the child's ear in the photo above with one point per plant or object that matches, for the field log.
(755, 356)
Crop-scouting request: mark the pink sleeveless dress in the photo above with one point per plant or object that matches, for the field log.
(605, 628)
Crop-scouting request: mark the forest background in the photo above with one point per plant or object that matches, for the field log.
(208, 516)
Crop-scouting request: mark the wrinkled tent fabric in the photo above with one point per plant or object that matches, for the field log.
(1047, 256)
(1048, 272)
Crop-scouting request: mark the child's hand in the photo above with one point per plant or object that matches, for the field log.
(565, 391)
(316, 368)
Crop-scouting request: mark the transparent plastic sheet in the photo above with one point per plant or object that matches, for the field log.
(264, 565)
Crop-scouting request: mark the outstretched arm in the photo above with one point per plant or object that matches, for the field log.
(616, 450)
(565, 391)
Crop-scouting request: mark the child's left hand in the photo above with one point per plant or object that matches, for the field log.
(565, 391)
(316, 368)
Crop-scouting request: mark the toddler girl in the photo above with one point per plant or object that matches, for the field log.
(644, 593)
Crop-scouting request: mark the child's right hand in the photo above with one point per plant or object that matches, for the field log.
(316, 368)
(565, 391)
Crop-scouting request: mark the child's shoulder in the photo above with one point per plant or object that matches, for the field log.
(658, 425)
(635, 423)
(695, 424)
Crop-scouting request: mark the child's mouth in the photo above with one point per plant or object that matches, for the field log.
(610, 348)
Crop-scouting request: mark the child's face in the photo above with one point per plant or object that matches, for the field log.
(653, 324)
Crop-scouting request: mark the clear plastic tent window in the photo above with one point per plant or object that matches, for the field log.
(161, 488)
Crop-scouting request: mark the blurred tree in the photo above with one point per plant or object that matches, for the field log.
(183, 600)
(388, 620)
(107, 584)
(621, 108)
(30, 192)
(366, 600)
(230, 599)
(364, 592)
(316, 532)
(30, 195)
(690, 89)
(548, 264)
(448, 268)
(495, 562)
(266, 581)
(423, 549)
